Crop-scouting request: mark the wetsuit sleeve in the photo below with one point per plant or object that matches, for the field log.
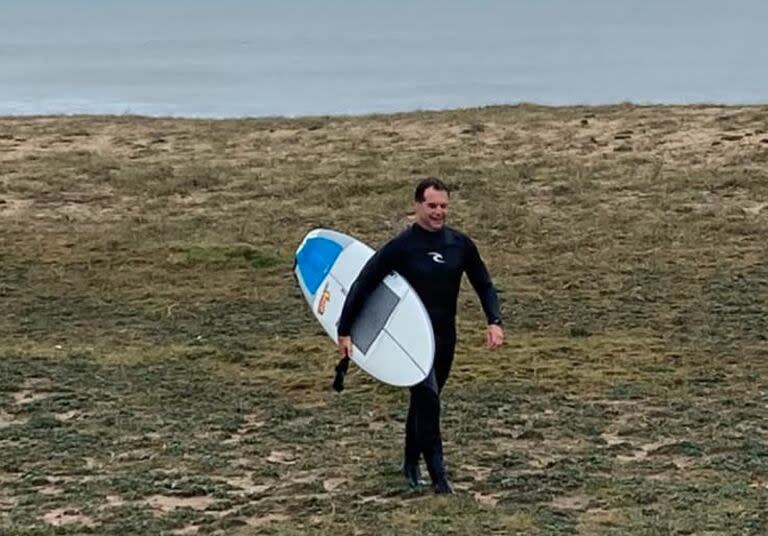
(374, 271)
(481, 281)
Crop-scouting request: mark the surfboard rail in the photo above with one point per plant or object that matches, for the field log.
(392, 337)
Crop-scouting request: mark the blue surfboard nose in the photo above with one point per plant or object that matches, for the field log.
(315, 259)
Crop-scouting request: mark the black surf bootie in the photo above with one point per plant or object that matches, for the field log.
(412, 475)
(441, 486)
(436, 468)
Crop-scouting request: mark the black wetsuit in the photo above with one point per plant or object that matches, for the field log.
(433, 263)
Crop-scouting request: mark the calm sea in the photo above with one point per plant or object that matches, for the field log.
(231, 58)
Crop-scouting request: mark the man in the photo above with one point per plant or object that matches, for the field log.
(432, 258)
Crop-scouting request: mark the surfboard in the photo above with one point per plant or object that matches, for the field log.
(392, 337)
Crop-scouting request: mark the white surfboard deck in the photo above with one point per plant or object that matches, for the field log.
(392, 337)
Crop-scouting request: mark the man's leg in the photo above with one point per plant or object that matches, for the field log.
(412, 447)
(446, 347)
(425, 399)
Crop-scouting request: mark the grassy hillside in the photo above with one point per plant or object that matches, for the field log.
(159, 371)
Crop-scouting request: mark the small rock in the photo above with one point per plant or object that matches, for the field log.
(474, 129)
(579, 331)
(531, 435)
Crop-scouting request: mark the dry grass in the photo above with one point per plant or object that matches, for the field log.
(160, 373)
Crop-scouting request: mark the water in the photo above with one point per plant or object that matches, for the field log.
(233, 58)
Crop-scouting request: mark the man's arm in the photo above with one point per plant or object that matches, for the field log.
(481, 281)
(374, 271)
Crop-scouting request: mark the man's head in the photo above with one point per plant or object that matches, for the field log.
(431, 203)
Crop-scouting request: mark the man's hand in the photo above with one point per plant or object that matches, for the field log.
(494, 337)
(345, 346)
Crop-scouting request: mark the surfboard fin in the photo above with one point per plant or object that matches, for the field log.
(341, 371)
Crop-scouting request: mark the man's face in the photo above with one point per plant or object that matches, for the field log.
(430, 213)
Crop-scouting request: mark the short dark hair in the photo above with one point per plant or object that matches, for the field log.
(429, 182)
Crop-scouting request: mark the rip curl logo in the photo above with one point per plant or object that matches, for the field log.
(437, 257)
(325, 297)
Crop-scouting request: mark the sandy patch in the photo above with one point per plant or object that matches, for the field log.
(571, 502)
(542, 461)
(11, 207)
(306, 477)
(650, 448)
(58, 479)
(612, 439)
(242, 462)
(67, 516)
(84, 210)
(50, 490)
(376, 499)
(9, 477)
(189, 529)
(252, 423)
(7, 503)
(114, 501)
(755, 209)
(489, 499)
(246, 484)
(332, 484)
(260, 521)
(165, 503)
(32, 390)
(281, 457)
(25, 396)
(479, 474)
(6, 420)
(66, 416)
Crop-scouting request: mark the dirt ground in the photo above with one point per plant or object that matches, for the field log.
(161, 374)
